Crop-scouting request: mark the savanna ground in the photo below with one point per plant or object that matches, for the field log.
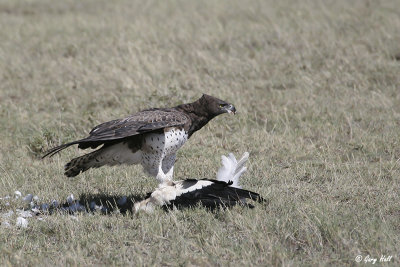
(317, 88)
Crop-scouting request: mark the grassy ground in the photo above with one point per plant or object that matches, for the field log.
(317, 87)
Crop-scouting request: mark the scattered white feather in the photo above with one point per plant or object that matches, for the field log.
(231, 169)
(22, 222)
(70, 199)
(17, 194)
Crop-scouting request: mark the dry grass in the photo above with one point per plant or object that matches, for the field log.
(317, 86)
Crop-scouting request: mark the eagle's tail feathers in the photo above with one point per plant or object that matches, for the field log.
(83, 163)
(107, 155)
(57, 149)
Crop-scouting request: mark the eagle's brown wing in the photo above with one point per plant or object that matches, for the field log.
(142, 122)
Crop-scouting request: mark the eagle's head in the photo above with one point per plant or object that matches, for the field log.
(215, 106)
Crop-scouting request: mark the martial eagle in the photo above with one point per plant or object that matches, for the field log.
(150, 137)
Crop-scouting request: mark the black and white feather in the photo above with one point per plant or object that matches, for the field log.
(222, 192)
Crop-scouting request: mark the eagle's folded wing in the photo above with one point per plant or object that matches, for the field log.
(139, 123)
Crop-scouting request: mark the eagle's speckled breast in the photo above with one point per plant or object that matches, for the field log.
(157, 147)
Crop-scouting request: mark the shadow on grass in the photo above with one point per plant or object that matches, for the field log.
(104, 203)
(112, 202)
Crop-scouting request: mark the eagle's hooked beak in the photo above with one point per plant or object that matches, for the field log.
(230, 109)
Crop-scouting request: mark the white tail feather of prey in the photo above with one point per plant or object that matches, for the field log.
(231, 169)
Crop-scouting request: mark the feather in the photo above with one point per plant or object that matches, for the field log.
(231, 169)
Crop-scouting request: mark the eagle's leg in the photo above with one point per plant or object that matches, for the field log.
(161, 177)
(170, 174)
(168, 166)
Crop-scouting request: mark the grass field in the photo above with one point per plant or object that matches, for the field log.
(317, 88)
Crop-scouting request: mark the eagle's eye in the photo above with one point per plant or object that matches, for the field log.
(221, 105)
